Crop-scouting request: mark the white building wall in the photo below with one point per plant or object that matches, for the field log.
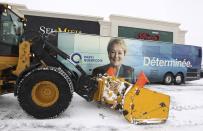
(115, 21)
(181, 37)
(105, 28)
(110, 28)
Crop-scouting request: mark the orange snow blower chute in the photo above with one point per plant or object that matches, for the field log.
(111, 71)
(142, 80)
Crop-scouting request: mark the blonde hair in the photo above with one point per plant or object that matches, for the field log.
(118, 41)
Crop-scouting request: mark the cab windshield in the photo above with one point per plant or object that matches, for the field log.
(11, 27)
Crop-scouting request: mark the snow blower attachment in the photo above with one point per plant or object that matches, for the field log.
(138, 104)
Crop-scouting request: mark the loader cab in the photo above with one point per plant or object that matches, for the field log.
(11, 29)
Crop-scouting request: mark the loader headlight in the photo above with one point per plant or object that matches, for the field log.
(9, 7)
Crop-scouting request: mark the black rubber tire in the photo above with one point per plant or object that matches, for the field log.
(168, 79)
(178, 79)
(51, 74)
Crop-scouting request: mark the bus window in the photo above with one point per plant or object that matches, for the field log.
(166, 49)
(200, 53)
(151, 51)
(181, 50)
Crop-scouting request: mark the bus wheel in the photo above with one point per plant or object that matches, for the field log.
(168, 79)
(178, 79)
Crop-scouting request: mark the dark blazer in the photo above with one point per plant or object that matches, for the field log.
(125, 72)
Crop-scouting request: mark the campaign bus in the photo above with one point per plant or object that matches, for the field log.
(162, 62)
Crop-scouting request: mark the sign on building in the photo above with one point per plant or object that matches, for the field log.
(47, 24)
(145, 34)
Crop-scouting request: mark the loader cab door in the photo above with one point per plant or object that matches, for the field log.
(10, 32)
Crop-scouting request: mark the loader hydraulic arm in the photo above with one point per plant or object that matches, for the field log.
(43, 50)
(64, 56)
(23, 58)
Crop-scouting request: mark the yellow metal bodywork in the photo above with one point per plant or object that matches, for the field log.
(24, 57)
(139, 105)
(108, 91)
(7, 61)
(99, 93)
(145, 106)
(21, 63)
(45, 93)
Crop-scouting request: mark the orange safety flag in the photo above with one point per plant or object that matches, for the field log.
(111, 71)
(141, 80)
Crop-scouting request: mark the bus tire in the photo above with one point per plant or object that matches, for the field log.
(45, 92)
(178, 79)
(168, 79)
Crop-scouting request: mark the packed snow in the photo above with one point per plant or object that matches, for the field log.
(186, 113)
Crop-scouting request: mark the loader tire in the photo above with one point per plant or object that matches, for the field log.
(45, 92)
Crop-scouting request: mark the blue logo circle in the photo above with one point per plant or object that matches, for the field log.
(76, 58)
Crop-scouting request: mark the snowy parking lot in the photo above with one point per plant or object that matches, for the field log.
(186, 113)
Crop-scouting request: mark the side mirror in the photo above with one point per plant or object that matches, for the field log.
(2, 8)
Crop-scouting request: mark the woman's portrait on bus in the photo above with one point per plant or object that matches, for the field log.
(116, 50)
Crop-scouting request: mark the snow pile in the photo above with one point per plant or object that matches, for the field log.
(185, 114)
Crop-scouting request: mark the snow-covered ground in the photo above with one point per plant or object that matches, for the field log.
(186, 113)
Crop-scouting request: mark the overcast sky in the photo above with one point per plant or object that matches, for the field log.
(186, 12)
